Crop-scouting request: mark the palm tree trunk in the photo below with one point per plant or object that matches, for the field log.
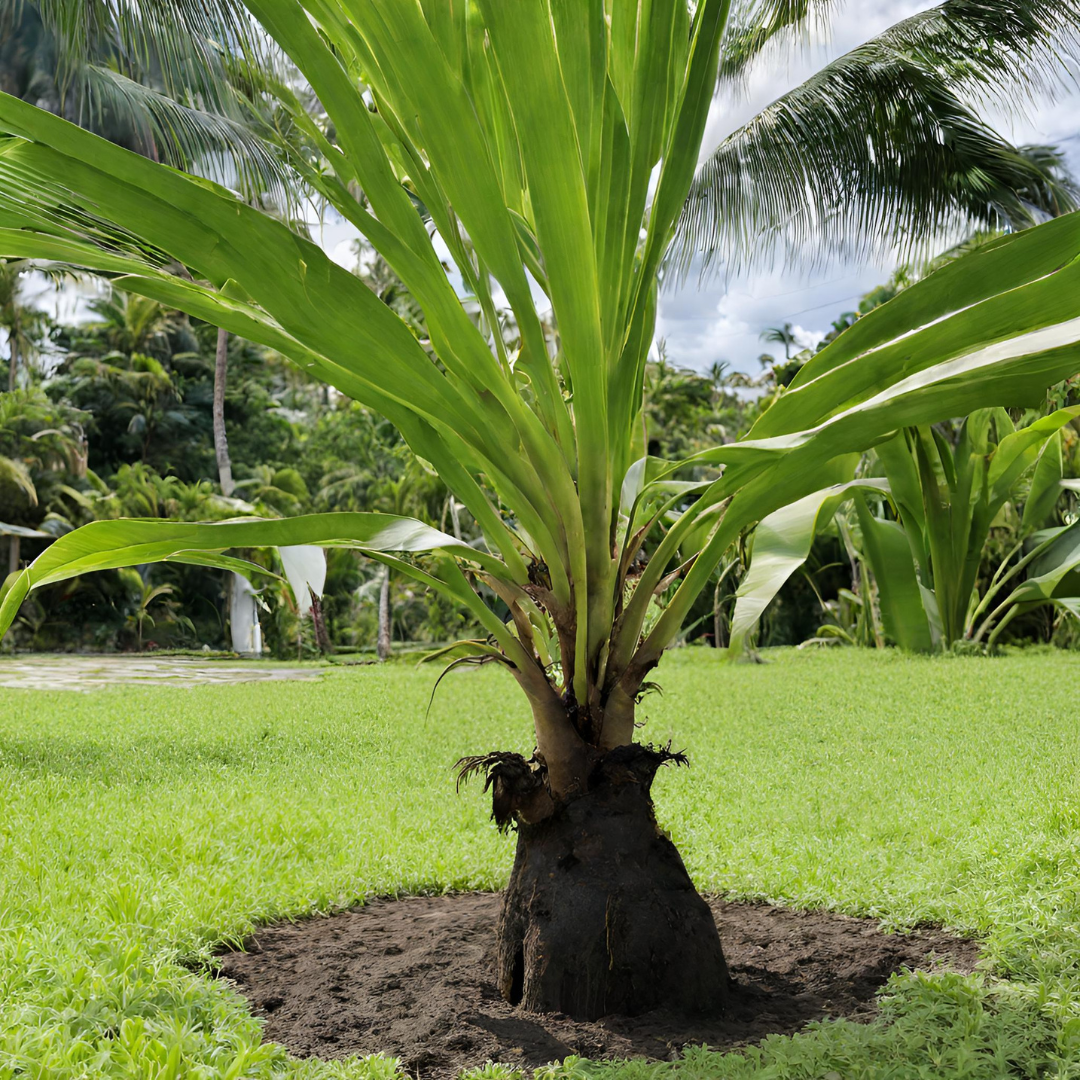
(224, 464)
(322, 637)
(221, 442)
(719, 618)
(384, 616)
(13, 355)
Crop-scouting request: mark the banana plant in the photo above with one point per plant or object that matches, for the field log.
(948, 498)
(551, 145)
(1053, 577)
(925, 558)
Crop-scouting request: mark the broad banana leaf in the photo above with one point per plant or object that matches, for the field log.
(1070, 605)
(1051, 570)
(1045, 485)
(971, 303)
(901, 598)
(1016, 453)
(105, 545)
(782, 543)
(23, 532)
(305, 570)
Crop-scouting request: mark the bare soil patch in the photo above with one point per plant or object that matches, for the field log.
(414, 978)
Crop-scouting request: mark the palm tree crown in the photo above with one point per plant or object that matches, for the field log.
(885, 147)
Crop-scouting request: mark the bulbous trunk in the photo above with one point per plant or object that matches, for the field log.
(600, 915)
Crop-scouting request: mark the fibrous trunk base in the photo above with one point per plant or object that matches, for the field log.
(600, 915)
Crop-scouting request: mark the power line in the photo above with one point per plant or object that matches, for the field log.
(841, 300)
(783, 318)
(795, 292)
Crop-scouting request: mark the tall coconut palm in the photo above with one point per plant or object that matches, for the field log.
(23, 324)
(552, 145)
(780, 335)
(221, 438)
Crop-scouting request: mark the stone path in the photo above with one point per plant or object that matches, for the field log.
(86, 673)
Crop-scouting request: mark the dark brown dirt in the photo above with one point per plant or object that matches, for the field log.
(414, 978)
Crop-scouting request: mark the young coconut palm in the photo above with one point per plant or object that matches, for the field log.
(551, 144)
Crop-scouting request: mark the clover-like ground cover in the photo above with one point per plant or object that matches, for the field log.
(140, 827)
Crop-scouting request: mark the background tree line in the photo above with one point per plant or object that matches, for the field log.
(116, 418)
(112, 417)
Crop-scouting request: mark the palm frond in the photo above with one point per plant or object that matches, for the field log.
(16, 474)
(183, 43)
(1055, 191)
(754, 24)
(899, 157)
(234, 151)
(994, 50)
(190, 84)
(883, 148)
(1060, 194)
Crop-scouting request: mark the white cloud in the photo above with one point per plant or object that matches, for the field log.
(724, 321)
(808, 339)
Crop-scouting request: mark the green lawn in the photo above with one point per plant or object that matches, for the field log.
(139, 827)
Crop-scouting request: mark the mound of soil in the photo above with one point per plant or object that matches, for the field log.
(414, 978)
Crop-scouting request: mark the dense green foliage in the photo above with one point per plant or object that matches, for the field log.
(114, 421)
(953, 798)
(925, 574)
(556, 149)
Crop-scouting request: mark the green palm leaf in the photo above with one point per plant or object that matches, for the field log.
(885, 148)
(782, 543)
(755, 24)
(105, 545)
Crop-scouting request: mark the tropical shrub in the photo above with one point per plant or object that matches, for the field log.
(925, 559)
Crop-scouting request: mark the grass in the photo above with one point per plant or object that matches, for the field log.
(141, 826)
